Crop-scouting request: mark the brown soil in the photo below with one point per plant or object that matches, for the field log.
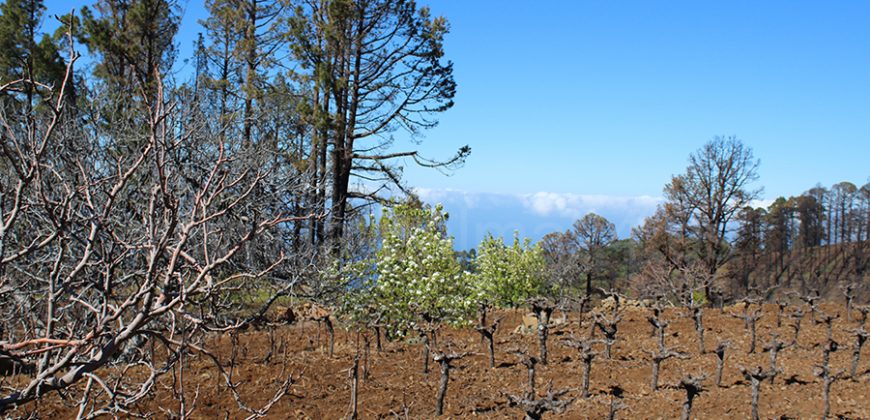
(396, 384)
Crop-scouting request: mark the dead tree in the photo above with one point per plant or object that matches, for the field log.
(536, 407)
(529, 362)
(797, 316)
(609, 327)
(774, 346)
(755, 378)
(860, 337)
(692, 386)
(543, 309)
(720, 360)
(657, 359)
(444, 360)
(487, 333)
(751, 320)
(659, 327)
(587, 354)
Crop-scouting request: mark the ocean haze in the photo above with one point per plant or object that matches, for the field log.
(533, 215)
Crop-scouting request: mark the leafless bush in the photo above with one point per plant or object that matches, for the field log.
(543, 309)
(860, 338)
(849, 293)
(444, 359)
(657, 359)
(659, 326)
(774, 346)
(487, 333)
(535, 408)
(863, 310)
(751, 320)
(609, 327)
(755, 378)
(530, 362)
(781, 306)
(692, 385)
(116, 236)
(797, 316)
(828, 378)
(584, 347)
(720, 359)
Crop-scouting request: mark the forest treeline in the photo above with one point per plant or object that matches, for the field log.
(814, 241)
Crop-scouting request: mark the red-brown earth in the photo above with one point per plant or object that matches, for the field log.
(396, 386)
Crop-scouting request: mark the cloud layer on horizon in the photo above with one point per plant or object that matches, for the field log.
(473, 214)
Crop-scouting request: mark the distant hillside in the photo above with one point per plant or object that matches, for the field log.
(825, 268)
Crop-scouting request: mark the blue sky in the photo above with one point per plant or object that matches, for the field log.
(575, 106)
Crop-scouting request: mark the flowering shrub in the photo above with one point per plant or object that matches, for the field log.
(416, 276)
(506, 275)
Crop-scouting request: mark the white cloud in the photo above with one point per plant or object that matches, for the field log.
(576, 205)
(761, 203)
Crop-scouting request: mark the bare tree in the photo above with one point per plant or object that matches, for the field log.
(487, 332)
(529, 362)
(774, 346)
(811, 300)
(860, 338)
(535, 408)
(720, 359)
(444, 359)
(755, 378)
(797, 316)
(828, 377)
(751, 320)
(543, 309)
(863, 310)
(105, 251)
(616, 394)
(353, 374)
(609, 327)
(709, 194)
(692, 386)
(593, 234)
(584, 347)
(828, 320)
(659, 327)
(657, 359)
(849, 293)
(781, 306)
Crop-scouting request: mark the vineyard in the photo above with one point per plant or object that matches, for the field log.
(391, 382)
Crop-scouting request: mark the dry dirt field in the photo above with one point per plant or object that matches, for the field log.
(397, 388)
